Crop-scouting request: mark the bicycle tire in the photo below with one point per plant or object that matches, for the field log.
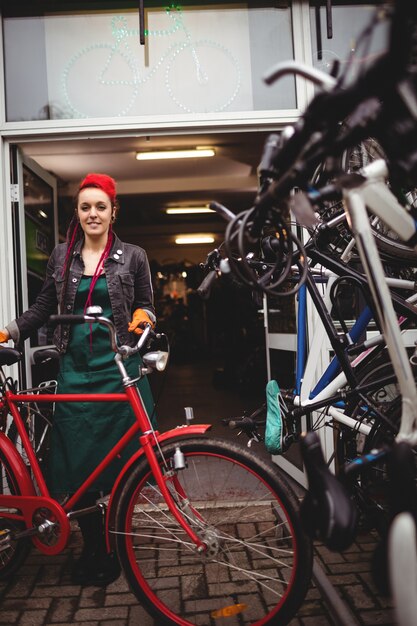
(352, 160)
(371, 486)
(12, 557)
(387, 241)
(38, 431)
(259, 562)
(386, 399)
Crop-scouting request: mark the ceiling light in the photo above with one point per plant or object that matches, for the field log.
(175, 154)
(189, 239)
(188, 210)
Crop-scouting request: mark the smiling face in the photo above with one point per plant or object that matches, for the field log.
(95, 212)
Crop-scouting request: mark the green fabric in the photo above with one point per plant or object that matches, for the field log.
(273, 429)
(83, 433)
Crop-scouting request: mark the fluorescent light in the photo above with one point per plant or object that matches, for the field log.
(175, 154)
(188, 239)
(188, 210)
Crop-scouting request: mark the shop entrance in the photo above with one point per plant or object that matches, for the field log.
(218, 362)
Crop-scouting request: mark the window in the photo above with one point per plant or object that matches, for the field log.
(198, 59)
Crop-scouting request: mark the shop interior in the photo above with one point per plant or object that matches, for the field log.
(217, 344)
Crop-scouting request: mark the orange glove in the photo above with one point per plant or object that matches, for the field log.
(140, 318)
(4, 336)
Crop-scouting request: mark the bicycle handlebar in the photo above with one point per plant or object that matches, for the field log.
(316, 134)
(94, 316)
(204, 289)
(325, 81)
(223, 211)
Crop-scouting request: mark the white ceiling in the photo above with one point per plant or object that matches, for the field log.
(233, 167)
(145, 189)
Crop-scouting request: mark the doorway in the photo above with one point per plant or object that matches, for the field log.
(218, 362)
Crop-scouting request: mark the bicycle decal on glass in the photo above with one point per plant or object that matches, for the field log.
(119, 69)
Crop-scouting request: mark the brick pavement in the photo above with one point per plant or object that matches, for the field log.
(41, 593)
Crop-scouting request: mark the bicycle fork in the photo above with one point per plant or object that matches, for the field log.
(147, 442)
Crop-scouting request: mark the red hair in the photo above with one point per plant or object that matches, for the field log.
(101, 181)
(108, 185)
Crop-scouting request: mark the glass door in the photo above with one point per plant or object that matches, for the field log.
(35, 231)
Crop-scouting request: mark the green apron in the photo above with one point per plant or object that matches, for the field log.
(84, 432)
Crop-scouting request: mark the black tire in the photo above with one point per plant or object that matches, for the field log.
(371, 487)
(12, 557)
(353, 159)
(38, 429)
(260, 560)
(387, 241)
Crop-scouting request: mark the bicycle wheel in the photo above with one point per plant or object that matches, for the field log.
(38, 427)
(387, 240)
(12, 552)
(381, 410)
(258, 564)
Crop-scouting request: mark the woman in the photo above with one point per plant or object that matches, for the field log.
(93, 267)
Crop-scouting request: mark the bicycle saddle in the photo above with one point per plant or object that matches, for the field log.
(327, 512)
(9, 356)
(45, 354)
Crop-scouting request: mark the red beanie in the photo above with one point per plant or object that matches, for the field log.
(101, 181)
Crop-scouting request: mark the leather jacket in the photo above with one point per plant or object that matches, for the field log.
(128, 282)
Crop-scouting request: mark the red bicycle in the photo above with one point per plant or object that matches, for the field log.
(202, 528)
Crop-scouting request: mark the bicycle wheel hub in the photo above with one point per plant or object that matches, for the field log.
(212, 540)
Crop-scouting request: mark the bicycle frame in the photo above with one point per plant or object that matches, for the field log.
(371, 191)
(325, 393)
(30, 502)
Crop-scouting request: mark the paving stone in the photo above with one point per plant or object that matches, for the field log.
(114, 613)
(32, 618)
(317, 620)
(72, 623)
(122, 599)
(138, 615)
(92, 597)
(377, 618)
(14, 604)
(41, 594)
(9, 617)
(338, 568)
(328, 556)
(360, 598)
(63, 609)
(343, 579)
(52, 590)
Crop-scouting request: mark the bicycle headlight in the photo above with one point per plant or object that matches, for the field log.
(156, 360)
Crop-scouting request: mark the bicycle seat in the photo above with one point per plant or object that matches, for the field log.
(9, 356)
(45, 354)
(327, 512)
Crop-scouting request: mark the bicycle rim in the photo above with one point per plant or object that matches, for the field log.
(258, 563)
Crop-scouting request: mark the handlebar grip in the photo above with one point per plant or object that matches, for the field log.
(272, 145)
(204, 289)
(55, 320)
(223, 211)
